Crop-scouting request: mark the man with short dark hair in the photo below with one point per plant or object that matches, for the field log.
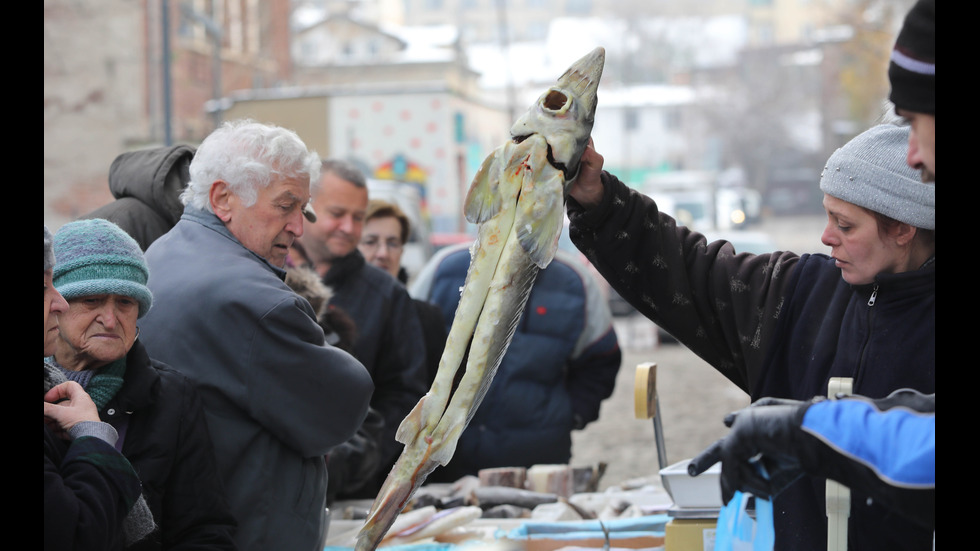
(389, 338)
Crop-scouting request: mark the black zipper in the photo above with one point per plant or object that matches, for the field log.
(859, 371)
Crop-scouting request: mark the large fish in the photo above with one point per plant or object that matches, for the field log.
(517, 198)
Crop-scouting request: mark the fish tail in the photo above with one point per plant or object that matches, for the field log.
(408, 473)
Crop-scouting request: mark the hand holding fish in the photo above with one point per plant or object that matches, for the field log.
(587, 187)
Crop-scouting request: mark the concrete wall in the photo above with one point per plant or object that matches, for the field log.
(307, 116)
(93, 100)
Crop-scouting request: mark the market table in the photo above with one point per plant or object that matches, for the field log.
(669, 512)
(650, 520)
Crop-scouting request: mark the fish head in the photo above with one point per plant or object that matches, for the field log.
(564, 113)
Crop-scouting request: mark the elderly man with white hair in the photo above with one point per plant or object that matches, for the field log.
(277, 398)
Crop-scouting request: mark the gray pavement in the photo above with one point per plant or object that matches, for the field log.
(694, 398)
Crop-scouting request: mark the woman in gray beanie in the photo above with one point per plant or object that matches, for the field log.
(155, 410)
(882, 217)
(92, 494)
(782, 324)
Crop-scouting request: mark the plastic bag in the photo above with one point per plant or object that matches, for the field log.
(737, 531)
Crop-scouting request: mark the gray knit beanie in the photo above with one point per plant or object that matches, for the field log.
(96, 257)
(870, 171)
(48, 250)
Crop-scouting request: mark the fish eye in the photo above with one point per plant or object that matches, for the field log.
(555, 100)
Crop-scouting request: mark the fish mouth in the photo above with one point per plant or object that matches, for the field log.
(572, 97)
(551, 158)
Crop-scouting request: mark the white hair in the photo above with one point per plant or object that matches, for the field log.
(247, 155)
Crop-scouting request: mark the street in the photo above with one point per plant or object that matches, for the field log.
(694, 398)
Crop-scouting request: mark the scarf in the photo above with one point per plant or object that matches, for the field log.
(101, 384)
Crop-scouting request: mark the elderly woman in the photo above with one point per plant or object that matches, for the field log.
(154, 409)
(92, 497)
(782, 324)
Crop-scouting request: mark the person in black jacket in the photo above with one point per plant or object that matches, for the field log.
(912, 74)
(389, 336)
(784, 325)
(147, 184)
(154, 409)
(883, 448)
(92, 494)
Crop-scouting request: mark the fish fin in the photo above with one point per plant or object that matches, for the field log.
(445, 440)
(540, 216)
(511, 286)
(411, 469)
(410, 427)
(483, 201)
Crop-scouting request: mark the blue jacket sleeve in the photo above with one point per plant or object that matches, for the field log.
(899, 445)
(886, 448)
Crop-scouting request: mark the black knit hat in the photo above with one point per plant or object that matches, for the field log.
(912, 70)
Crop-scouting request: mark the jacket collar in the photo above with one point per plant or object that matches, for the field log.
(344, 268)
(911, 283)
(138, 383)
(212, 222)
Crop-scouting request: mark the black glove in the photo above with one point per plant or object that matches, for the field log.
(763, 453)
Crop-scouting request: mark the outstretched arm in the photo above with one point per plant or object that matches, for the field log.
(885, 448)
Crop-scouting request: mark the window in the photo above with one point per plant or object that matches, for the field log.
(764, 34)
(578, 7)
(631, 120)
(536, 30)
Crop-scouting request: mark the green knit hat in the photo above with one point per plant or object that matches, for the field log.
(96, 257)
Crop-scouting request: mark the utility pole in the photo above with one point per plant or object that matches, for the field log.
(504, 36)
(165, 65)
(214, 31)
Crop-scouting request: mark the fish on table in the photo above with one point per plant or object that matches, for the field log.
(517, 199)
